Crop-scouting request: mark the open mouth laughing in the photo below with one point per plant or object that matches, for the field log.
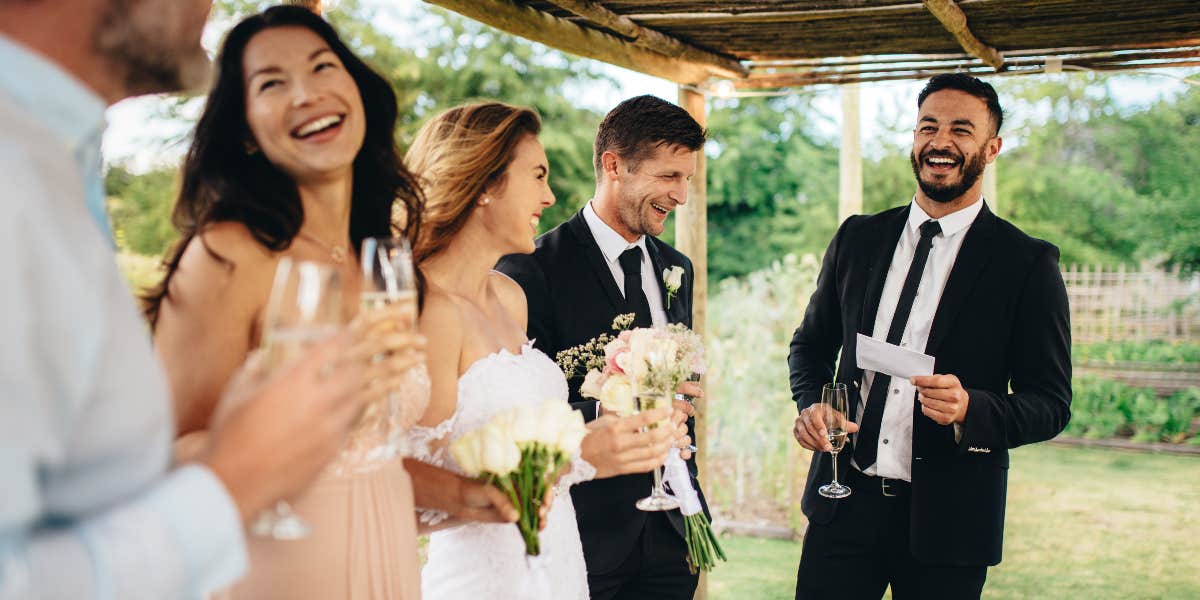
(316, 127)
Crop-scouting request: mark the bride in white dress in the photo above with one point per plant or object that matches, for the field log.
(485, 177)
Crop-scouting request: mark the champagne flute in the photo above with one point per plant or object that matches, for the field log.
(388, 279)
(304, 308)
(651, 399)
(388, 274)
(833, 404)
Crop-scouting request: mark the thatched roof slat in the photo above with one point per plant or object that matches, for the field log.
(866, 34)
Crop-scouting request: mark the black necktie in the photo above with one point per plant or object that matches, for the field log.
(867, 442)
(631, 264)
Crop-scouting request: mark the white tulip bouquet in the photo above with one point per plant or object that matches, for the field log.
(519, 451)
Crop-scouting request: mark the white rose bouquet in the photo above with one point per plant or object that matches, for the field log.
(653, 359)
(519, 451)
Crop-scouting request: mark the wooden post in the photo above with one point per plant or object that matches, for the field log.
(850, 188)
(691, 237)
(989, 187)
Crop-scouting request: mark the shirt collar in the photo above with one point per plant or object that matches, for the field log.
(611, 243)
(952, 223)
(58, 100)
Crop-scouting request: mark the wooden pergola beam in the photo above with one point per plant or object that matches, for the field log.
(955, 21)
(576, 39)
(653, 40)
(777, 82)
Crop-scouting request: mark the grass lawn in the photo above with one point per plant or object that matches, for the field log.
(1082, 523)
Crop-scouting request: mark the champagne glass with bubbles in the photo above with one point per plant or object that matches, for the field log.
(651, 399)
(833, 405)
(305, 307)
(388, 279)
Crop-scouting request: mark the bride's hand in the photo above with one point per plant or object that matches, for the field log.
(617, 446)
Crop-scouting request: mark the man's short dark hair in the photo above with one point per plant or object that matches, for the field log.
(637, 126)
(968, 84)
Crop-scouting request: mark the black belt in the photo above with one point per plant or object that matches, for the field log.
(884, 486)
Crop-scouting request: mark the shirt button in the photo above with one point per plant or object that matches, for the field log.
(895, 390)
(885, 440)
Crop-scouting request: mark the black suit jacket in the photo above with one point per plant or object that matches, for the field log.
(1002, 320)
(573, 298)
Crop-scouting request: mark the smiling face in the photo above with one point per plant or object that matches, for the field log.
(647, 192)
(953, 142)
(303, 108)
(517, 202)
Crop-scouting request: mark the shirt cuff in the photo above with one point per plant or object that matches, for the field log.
(206, 525)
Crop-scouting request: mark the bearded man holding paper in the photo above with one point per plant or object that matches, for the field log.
(939, 308)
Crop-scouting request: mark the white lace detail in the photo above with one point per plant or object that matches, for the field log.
(421, 443)
(479, 560)
(581, 471)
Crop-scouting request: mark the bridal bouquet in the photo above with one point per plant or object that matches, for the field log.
(656, 359)
(520, 451)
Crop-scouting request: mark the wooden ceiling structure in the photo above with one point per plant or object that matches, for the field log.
(772, 44)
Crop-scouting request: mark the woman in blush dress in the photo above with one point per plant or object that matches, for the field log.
(294, 156)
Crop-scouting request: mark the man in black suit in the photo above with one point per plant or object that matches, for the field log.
(602, 262)
(929, 462)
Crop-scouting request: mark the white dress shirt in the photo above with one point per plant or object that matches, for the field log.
(894, 453)
(611, 246)
(88, 508)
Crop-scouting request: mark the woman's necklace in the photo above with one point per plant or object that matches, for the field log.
(336, 253)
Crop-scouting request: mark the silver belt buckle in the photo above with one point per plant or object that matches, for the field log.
(883, 485)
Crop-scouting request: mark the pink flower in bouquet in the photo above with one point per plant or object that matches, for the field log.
(614, 353)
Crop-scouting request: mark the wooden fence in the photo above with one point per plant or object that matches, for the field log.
(1115, 304)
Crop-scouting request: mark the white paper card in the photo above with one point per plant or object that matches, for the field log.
(882, 357)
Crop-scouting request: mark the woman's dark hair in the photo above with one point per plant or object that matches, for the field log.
(222, 181)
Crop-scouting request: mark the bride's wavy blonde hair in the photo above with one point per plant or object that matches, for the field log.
(457, 156)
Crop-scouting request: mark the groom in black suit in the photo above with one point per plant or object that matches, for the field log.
(602, 262)
(944, 276)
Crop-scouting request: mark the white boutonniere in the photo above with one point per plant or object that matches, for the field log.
(672, 279)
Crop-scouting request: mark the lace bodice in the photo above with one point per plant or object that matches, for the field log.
(488, 560)
(380, 434)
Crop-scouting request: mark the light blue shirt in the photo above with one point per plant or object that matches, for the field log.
(89, 506)
(66, 107)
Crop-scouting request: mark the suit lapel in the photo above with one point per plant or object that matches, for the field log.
(973, 257)
(595, 259)
(877, 269)
(676, 310)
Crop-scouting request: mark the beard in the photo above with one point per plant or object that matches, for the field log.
(143, 41)
(633, 210)
(972, 169)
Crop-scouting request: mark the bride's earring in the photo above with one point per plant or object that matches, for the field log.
(485, 201)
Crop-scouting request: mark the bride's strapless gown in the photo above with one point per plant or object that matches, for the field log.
(363, 544)
(480, 561)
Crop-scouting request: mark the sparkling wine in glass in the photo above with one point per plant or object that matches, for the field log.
(833, 411)
(650, 399)
(388, 279)
(304, 308)
(388, 273)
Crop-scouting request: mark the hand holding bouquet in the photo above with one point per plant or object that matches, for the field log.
(657, 360)
(519, 452)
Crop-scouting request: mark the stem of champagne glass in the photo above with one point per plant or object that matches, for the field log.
(834, 467)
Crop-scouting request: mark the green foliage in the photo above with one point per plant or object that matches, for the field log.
(772, 184)
(140, 206)
(750, 324)
(1103, 409)
(1157, 351)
